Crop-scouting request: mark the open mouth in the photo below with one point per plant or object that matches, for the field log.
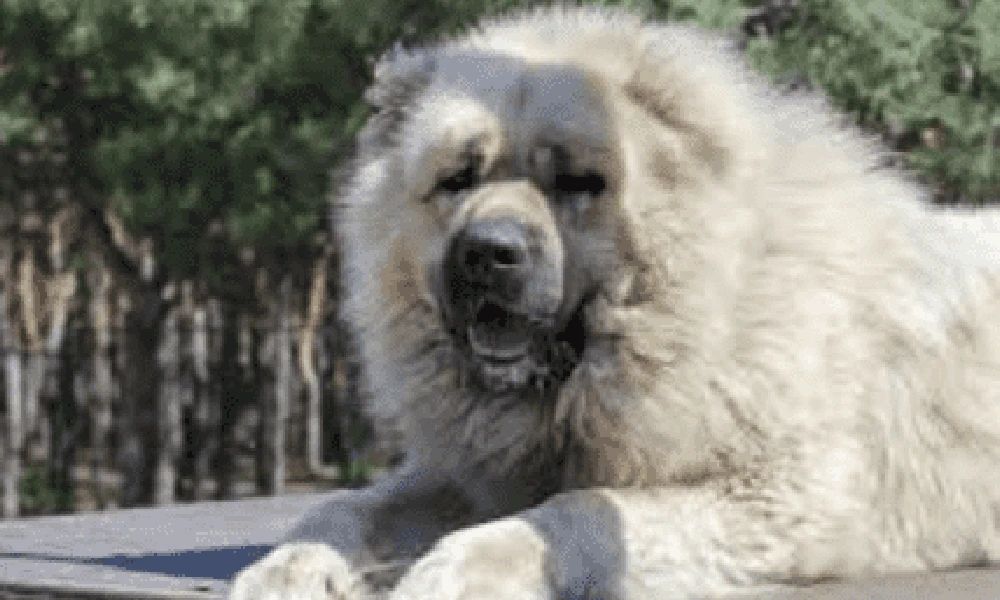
(512, 350)
(499, 335)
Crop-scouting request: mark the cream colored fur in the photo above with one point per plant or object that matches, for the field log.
(805, 375)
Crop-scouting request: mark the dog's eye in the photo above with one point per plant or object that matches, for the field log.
(461, 180)
(589, 183)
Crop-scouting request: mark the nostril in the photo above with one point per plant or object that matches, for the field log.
(505, 256)
(477, 260)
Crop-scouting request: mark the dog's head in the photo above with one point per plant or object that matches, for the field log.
(503, 190)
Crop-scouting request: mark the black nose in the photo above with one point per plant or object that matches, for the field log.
(493, 252)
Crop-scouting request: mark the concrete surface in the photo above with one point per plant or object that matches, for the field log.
(190, 551)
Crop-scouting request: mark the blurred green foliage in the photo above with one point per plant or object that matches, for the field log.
(195, 117)
(925, 73)
(191, 113)
(41, 494)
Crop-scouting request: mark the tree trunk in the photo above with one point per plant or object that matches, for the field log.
(15, 435)
(12, 447)
(140, 378)
(204, 354)
(102, 391)
(311, 368)
(67, 421)
(57, 425)
(170, 415)
(62, 290)
(276, 364)
(231, 395)
(138, 425)
(30, 313)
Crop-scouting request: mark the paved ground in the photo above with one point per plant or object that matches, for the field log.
(182, 549)
(190, 551)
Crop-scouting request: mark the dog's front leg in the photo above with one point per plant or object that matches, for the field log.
(358, 542)
(678, 542)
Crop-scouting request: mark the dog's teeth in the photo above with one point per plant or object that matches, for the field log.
(497, 344)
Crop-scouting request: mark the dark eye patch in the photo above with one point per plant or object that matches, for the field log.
(463, 179)
(554, 169)
(589, 182)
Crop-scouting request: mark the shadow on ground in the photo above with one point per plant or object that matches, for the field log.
(216, 563)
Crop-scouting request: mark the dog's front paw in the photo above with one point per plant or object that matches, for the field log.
(301, 571)
(500, 560)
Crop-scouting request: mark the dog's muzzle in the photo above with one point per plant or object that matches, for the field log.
(489, 269)
(504, 295)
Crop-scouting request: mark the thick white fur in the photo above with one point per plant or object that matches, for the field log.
(810, 388)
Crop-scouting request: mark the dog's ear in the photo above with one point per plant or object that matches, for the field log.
(683, 82)
(400, 76)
